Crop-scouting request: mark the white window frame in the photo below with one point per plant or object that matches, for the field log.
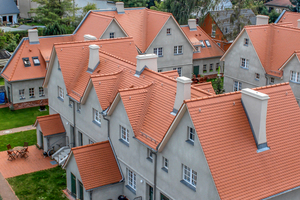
(189, 175)
(149, 154)
(213, 30)
(204, 70)
(179, 70)
(112, 35)
(211, 67)
(178, 50)
(237, 86)
(31, 92)
(22, 93)
(202, 43)
(191, 134)
(60, 93)
(158, 51)
(41, 92)
(124, 134)
(272, 80)
(131, 179)
(244, 63)
(295, 77)
(257, 76)
(78, 107)
(96, 116)
(36, 61)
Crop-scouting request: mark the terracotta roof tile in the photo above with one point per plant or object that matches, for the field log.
(207, 86)
(50, 124)
(173, 73)
(200, 34)
(238, 170)
(282, 3)
(290, 17)
(97, 165)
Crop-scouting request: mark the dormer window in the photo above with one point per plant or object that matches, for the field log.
(207, 43)
(26, 62)
(36, 61)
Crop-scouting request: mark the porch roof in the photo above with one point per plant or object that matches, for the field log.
(50, 124)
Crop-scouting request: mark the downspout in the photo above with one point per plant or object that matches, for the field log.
(91, 195)
(74, 122)
(266, 79)
(108, 125)
(155, 171)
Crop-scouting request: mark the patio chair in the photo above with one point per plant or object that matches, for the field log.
(25, 144)
(8, 147)
(24, 152)
(11, 155)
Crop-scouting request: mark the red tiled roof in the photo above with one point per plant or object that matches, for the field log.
(141, 23)
(16, 70)
(172, 73)
(238, 170)
(281, 3)
(76, 76)
(290, 17)
(274, 44)
(50, 124)
(200, 34)
(207, 86)
(97, 165)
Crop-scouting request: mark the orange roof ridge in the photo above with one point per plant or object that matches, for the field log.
(89, 145)
(97, 40)
(201, 90)
(159, 12)
(135, 88)
(102, 75)
(122, 59)
(101, 13)
(47, 116)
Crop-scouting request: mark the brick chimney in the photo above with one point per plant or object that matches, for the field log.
(33, 36)
(262, 19)
(145, 60)
(255, 105)
(183, 92)
(93, 58)
(120, 7)
(89, 37)
(192, 24)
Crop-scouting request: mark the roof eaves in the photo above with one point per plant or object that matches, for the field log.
(278, 194)
(119, 166)
(288, 60)
(82, 21)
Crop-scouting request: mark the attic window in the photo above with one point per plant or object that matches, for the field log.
(168, 31)
(207, 43)
(26, 62)
(202, 43)
(36, 61)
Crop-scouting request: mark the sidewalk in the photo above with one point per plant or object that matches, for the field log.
(15, 130)
(5, 190)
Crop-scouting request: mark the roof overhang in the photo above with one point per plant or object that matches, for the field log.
(114, 104)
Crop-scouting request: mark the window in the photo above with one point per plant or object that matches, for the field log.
(112, 35)
(189, 175)
(202, 43)
(246, 42)
(295, 76)
(226, 30)
(257, 76)
(158, 51)
(26, 62)
(244, 63)
(132, 179)
(97, 118)
(124, 134)
(213, 30)
(178, 50)
(168, 31)
(217, 66)
(165, 163)
(207, 43)
(272, 80)
(60, 93)
(163, 197)
(149, 155)
(21, 94)
(198, 48)
(71, 102)
(211, 69)
(219, 44)
(80, 141)
(58, 67)
(178, 70)
(31, 92)
(159, 70)
(191, 134)
(78, 107)
(36, 61)
(41, 92)
(237, 86)
(204, 69)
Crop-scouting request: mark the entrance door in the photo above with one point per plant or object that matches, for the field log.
(42, 140)
(80, 191)
(196, 70)
(73, 185)
(150, 192)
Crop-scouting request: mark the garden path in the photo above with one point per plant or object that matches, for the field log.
(15, 130)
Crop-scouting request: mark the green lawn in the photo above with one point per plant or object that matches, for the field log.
(42, 185)
(17, 139)
(1, 83)
(17, 118)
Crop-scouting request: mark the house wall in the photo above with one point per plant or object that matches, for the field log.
(207, 62)
(25, 6)
(19, 85)
(113, 27)
(108, 192)
(38, 135)
(292, 65)
(169, 61)
(14, 19)
(57, 140)
(189, 155)
(233, 71)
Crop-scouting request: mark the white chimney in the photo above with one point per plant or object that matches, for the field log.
(89, 37)
(33, 36)
(183, 92)
(145, 60)
(93, 57)
(120, 7)
(255, 104)
(298, 23)
(262, 19)
(192, 24)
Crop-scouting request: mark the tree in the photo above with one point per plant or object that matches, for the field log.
(296, 5)
(88, 7)
(133, 3)
(160, 6)
(273, 15)
(50, 11)
(54, 29)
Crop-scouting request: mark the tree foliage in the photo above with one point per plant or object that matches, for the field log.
(134, 3)
(55, 29)
(50, 11)
(88, 7)
(296, 5)
(9, 41)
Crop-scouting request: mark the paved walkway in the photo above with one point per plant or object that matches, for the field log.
(15, 130)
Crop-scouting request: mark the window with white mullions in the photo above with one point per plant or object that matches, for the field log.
(97, 118)
(158, 51)
(178, 50)
(295, 76)
(41, 92)
(237, 86)
(244, 63)
(60, 93)
(178, 70)
(124, 134)
(165, 163)
(189, 175)
(22, 94)
(31, 92)
(112, 35)
(132, 179)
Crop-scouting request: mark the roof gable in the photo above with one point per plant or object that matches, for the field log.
(50, 124)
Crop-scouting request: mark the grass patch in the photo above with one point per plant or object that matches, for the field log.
(17, 118)
(18, 139)
(1, 83)
(46, 184)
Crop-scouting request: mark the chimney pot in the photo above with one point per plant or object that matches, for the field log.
(120, 7)
(33, 36)
(88, 37)
(192, 24)
(183, 92)
(93, 58)
(146, 60)
(262, 19)
(255, 104)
